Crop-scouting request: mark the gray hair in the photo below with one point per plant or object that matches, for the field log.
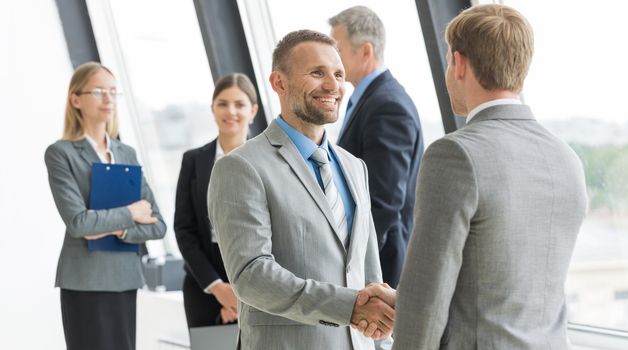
(363, 25)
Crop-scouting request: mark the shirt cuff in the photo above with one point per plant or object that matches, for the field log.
(123, 235)
(207, 290)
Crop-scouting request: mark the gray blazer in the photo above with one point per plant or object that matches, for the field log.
(296, 282)
(69, 173)
(499, 206)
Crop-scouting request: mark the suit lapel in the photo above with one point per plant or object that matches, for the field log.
(86, 151)
(350, 178)
(360, 103)
(291, 155)
(204, 165)
(119, 156)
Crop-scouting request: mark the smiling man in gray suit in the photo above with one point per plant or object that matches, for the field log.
(292, 215)
(499, 206)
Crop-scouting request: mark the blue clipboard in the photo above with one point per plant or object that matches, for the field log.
(113, 186)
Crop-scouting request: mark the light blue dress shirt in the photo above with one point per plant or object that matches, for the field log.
(357, 95)
(307, 147)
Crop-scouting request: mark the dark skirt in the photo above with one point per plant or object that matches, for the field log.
(98, 320)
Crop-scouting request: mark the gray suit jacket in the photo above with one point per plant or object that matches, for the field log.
(69, 166)
(499, 206)
(296, 282)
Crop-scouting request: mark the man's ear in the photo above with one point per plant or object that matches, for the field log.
(460, 65)
(277, 82)
(367, 50)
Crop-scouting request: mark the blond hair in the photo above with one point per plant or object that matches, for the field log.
(73, 128)
(498, 42)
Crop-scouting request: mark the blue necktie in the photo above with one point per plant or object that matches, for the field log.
(346, 120)
(349, 104)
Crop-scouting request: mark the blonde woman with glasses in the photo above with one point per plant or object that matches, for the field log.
(98, 288)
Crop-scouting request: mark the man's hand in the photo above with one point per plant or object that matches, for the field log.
(381, 291)
(226, 297)
(228, 315)
(377, 314)
(142, 212)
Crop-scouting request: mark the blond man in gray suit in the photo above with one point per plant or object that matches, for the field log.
(499, 206)
(292, 215)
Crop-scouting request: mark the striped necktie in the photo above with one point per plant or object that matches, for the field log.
(331, 193)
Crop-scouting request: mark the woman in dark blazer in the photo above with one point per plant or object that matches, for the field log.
(207, 294)
(98, 288)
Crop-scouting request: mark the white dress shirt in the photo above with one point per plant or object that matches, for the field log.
(102, 156)
(485, 105)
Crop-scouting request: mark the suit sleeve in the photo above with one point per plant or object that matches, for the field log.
(79, 220)
(186, 227)
(239, 212)
(391, 136)
(447, 198)
(140, 233)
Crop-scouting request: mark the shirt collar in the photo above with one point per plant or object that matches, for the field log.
(219, 151)
(364, 83)
(103, 158)
(304, 145)
(485, 105)
(94, 145)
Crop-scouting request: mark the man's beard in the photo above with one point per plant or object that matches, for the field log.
(310, 114)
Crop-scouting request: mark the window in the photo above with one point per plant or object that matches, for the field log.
(405, 51)
(162, 67)
(576, 88)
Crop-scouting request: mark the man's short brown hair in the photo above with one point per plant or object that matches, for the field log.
(284, 47)
(498, 42)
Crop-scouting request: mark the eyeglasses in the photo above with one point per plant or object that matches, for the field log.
(100, 93)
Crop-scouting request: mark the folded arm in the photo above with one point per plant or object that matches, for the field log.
(79, 220)
(83, 222)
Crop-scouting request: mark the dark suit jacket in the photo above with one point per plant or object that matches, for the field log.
(191, 222)
(384, 130)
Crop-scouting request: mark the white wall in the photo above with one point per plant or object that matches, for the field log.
(34, 73)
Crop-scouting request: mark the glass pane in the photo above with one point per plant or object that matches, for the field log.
(577, 90)
(168, 87)
(405, 50)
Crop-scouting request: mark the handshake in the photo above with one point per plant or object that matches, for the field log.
(374, 311)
